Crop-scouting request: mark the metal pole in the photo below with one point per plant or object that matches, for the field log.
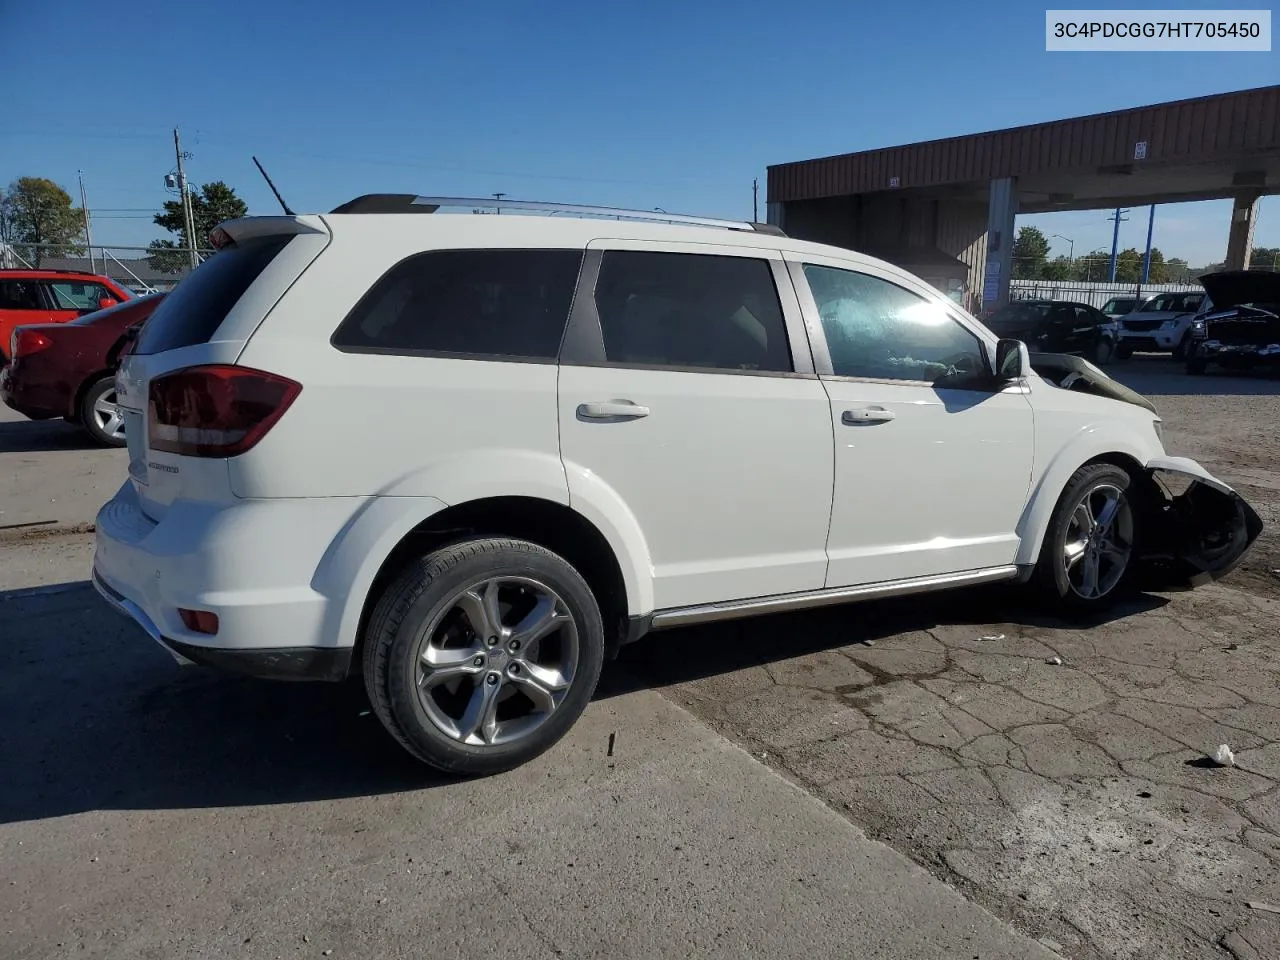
(1115, 245)
(1146, 261)
(188, 215)
(755, 200)
(88, 236)
(498, 208)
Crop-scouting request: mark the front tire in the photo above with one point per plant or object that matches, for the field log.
(1087, 557)
(480, 656)
(1124, 351)
(1180, 351)
(101, 416)
(1197, 367)
(1104, 352)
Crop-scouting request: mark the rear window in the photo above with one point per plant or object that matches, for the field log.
(196, 307)
(467, 303)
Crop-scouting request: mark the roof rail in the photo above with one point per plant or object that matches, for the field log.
(410, 203)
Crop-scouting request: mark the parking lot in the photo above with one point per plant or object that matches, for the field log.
(947, 776)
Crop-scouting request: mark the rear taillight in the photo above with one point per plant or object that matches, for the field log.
(215, 410)
(27, 342)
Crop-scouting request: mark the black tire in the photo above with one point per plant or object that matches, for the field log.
(1051, 575)
(1197, 366)
(423, 594)
(103, 390)
(1124, 352)
(1104, 351)
(1180, 351)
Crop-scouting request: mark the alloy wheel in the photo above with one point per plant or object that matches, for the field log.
(1099, 541)
(107, 415)
(497, 662)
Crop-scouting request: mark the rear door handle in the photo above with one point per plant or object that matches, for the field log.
(863, 415)
(612, 410)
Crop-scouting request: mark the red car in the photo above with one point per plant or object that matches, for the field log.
(68, 369)
(51, 296)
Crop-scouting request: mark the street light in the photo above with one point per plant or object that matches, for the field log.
(1071, 251)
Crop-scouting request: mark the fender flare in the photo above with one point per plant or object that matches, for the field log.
(1099, 439)
(346, 572)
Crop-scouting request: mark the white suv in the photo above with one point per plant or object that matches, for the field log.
(467, 457)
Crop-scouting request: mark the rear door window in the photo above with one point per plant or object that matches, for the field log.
(21, 295)
(196, 307)
(467, 303)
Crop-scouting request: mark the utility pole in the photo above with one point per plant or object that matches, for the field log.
(1115, 242)
(755, 202)
(498, 208)
(88, 236)
(188, 215)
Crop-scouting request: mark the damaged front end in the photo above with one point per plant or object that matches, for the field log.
(1196, 529)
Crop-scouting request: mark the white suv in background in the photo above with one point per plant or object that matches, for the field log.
(467, 457)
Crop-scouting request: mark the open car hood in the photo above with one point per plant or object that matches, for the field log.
(1231, 288)
(1074, 373)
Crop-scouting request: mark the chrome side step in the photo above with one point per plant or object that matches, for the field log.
(708, 613)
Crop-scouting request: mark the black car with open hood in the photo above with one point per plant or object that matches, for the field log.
(1242, 328)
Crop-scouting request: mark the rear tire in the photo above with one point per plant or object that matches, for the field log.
(1087, 558)
(481, 655)
(100, 416)
(1104, 352)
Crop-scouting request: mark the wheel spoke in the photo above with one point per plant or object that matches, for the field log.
(1109, 509)
(540, 621)
(445, 665)
(481, 716)
(1073, 553)
(1084, 517)
(480, 605)
(1089, 576)
(114, 427)
(544, 686)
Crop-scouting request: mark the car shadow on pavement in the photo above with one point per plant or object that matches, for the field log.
(693, 653)
(36, 436)
(1160, 376)
(93, 715)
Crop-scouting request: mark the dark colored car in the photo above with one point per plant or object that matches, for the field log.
(1242, 328)
(68, 369)
(1057, 326)
(51, 296)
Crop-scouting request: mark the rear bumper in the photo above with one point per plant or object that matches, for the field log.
(32, 398)
(252, 563)
(288, 663)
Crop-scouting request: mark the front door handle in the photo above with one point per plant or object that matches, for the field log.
(863, 415)
(612, 411)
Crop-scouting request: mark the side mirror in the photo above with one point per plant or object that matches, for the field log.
(106, 302)
(1013, 360)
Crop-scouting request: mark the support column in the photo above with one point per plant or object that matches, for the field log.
(1002, 207)
(1244, 214)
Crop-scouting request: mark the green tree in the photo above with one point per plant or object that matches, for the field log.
(1030, 254)
(1264, 258)
(1059, 268)
(1178, 270)
(210, 205)
(35, 214)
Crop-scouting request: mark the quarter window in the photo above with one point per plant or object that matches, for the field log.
(878, 330)
(691, 310)
(20, 295)
(495, 303)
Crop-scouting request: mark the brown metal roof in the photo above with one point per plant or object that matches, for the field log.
(1182, 131)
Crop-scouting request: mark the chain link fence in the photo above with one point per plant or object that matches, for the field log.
(140, 269)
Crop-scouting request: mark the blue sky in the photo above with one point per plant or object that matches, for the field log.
(677, 105)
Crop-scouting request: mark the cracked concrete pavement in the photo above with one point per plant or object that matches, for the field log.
(1068, 799)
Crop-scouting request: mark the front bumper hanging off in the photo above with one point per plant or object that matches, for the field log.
(1196, 528)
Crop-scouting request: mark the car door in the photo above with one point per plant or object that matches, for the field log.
(689, 407)
(932, 461)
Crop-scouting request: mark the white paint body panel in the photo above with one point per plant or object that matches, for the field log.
(734, 486)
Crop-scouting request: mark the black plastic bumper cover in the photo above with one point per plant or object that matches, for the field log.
(282, 663)
(1196, 536)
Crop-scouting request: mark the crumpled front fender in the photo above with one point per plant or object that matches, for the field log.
(1196, 528)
